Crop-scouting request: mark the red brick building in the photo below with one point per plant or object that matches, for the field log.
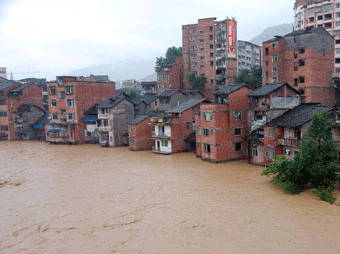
(171, 76)
(12, 95)
(171, 130)
(209, 49)
(222, 128)
(305, 60)
(140, 131)
(69, 98)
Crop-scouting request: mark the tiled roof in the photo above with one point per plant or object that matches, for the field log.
(149, 97)
(20, 88)
(168, 93)
(110, 102)
(298, 116)
(8, 84)
(2, 80)
(229, 89)
(186, 105)
(92, 111)
(101, 78)
(138, 119)
(267, 89)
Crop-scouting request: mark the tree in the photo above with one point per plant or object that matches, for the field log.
(132, 94)
(197, 82)
(170, 57)
(252, 77)
(314, 166)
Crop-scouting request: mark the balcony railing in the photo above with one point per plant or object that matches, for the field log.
(290, 142)
(160, 135)
(158, 150)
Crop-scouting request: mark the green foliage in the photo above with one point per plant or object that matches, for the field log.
(252, 77)
(314, 166)
(132, 94)
(170, 57)
(196, 82)
(325, 194)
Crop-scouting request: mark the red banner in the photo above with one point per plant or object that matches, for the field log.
(232, 38)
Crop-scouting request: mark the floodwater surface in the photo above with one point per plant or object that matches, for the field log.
(88, 199)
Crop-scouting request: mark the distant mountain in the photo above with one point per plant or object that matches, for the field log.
(151, 77)
(120, 70)
(270, 32)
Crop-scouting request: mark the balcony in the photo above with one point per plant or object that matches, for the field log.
(158, 150)
(290, 142)
(161, 135)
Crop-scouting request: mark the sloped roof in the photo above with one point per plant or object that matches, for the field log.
(229, 89)
(149, 97)
(308, 31)
(8, 84)
(92, 111)
(20, 88)
(298, 116)
(267, 89)
(2, 80)
(168, 93)
(138, 119)
(42, 121)
(101, 78)
(187, 105)
(110, 102)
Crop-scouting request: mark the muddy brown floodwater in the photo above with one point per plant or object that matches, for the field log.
(87, 199)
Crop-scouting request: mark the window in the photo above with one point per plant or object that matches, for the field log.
(105, 122)
(211, 28)
(164, 143)
(2, 101)
(274, 79)
(211, 37)
(70, 102)
(302, 79)
(337, 6)
(337, 15)
(274, 69)
(132, 140)
(191, 30)
(266, 51)
(212, 132)
(194, 64)
(202, 59)
(193, 38)
(69, 89)
(295, 66)
(54, 116)
(274, 46)
(201, 32)
(238, 115)
(270, 153)
(238, 146)
(254, 151)
(3, 113)
(211, 54)
(202, 50)
(267, 63)
(310, 11)
(164, 76)
(337, 51)
(160, 76)
(301, 50)
(3, 127)
(238, 132)
(327, 8)
(211, 81)
(188, 125)
(206, 148)
(193, 47)
(70, 116)
(311, 20)
(295, 82)
(201, 41)
(53, 103)
(274, 59)
(193, 55)
(198, 130)
(270, 132)
(205, 132)
(301, 62)
(328, 25)
(202, 67)
(337, 23)
(52, 90)
(62, 111)
(211, 63)
(211, 46)
(207, 116)
(61, 95)
(266, 74)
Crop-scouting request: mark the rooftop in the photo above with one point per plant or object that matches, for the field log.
(229, 89)
(267, 89)
(8, 84)
(138, 119)
(168, 93)
(187, 105)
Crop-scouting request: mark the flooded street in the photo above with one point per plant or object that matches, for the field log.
(87, 199)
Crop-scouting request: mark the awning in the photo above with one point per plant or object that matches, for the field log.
(255, 127)
(53, 130)
(90, 119)
(38, 127)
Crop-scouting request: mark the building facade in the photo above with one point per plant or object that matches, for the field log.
(210, 49)
(171, 76)
(69, 98)
(12, 96)
(248, 55)
(321, 13)
(140, 132)
(303, 59)
(222, 128)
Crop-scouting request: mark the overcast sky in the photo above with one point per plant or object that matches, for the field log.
(59, 36)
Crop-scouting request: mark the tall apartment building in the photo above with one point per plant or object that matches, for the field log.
(248, 55)
(170, 76)
(303, 59)
(209, 49)
(320, 13)
(69, 98)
